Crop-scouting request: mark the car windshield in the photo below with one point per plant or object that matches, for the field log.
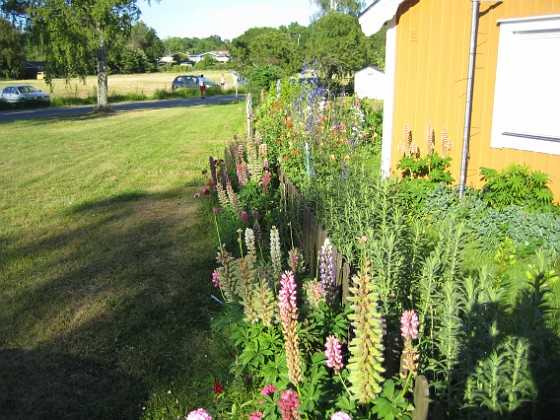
(27, 89)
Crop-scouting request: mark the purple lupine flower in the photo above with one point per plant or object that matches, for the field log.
(333, 352)
(213, 170)
(245, 217)
(327, 271)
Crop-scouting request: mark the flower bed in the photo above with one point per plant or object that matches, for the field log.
(428, 299)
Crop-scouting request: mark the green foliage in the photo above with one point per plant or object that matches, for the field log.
(516, 185)
(11, 50)
(338, 46)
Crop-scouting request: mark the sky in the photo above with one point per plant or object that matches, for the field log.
(225, 18)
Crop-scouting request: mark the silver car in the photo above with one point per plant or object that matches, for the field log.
(23, 93)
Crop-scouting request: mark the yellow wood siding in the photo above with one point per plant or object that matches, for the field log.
(432, 55)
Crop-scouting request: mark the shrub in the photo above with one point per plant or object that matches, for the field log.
(516, 185)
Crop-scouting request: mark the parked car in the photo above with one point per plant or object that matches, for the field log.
(23, 93)
(182, 82)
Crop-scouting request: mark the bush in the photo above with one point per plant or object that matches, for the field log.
(516, 185)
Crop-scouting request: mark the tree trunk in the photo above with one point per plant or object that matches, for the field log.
(102, 77)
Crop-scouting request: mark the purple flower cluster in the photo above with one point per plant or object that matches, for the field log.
(327, 271)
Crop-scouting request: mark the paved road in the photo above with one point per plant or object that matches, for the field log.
(67, 111)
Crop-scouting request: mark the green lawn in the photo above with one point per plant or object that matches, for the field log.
(105, 264)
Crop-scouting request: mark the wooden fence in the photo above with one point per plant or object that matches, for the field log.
(313, 234)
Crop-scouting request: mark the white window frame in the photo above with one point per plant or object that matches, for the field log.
(513, 128)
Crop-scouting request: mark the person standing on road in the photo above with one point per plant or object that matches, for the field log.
(202, 86)
(223, 82)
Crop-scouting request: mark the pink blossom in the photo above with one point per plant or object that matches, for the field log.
(287, 303)
(340, 415)
(333, 353)
(245, 217)
(269, 389)
(199, 414)
(255, 416)
(206, 191)
(215, 279)
(289, 404)
(196, 195)
(409, 325)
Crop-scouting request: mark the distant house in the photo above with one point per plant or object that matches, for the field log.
(34, 69)
(369, 83)
(220, 56)
(485, 71)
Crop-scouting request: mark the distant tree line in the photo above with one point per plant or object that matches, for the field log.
(102, 37)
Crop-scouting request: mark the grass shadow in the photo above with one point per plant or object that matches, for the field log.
(45, 385)
(126, 283)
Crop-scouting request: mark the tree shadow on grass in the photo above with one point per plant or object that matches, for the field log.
(121, 287)
(44, 385)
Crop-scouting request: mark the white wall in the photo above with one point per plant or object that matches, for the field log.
(370, 83)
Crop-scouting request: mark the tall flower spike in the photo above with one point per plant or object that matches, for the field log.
(365, 364)
(410, 356)
(222, 195)
(295, 260)
(314, 292)
(289, 404)
(430, 138)
(445, 143)
(287, 303)
(250, 244)
(327, 271)
(333, 353)
(275, 252)
(226, 274)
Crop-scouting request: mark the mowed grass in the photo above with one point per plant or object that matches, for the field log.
(105, 264)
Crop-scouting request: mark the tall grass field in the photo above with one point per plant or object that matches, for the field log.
(105, 264)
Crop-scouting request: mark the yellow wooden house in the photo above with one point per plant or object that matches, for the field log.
(484, 74)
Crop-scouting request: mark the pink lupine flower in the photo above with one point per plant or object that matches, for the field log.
(245, 217)
(333, 353)
(196, 195)
(287, 302)
(289, 404)
(265, 181)
(409, 325)
(205, 191)
(340, 415)
(199, 414)
(269, 389)
(256, 416)
(216, 279)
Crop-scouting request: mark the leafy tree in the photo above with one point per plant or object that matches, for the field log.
(349, 7)
(79, 35)
(11, 50)
(267, 47)
(338, 46)
(145, 39)
(174, 44)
